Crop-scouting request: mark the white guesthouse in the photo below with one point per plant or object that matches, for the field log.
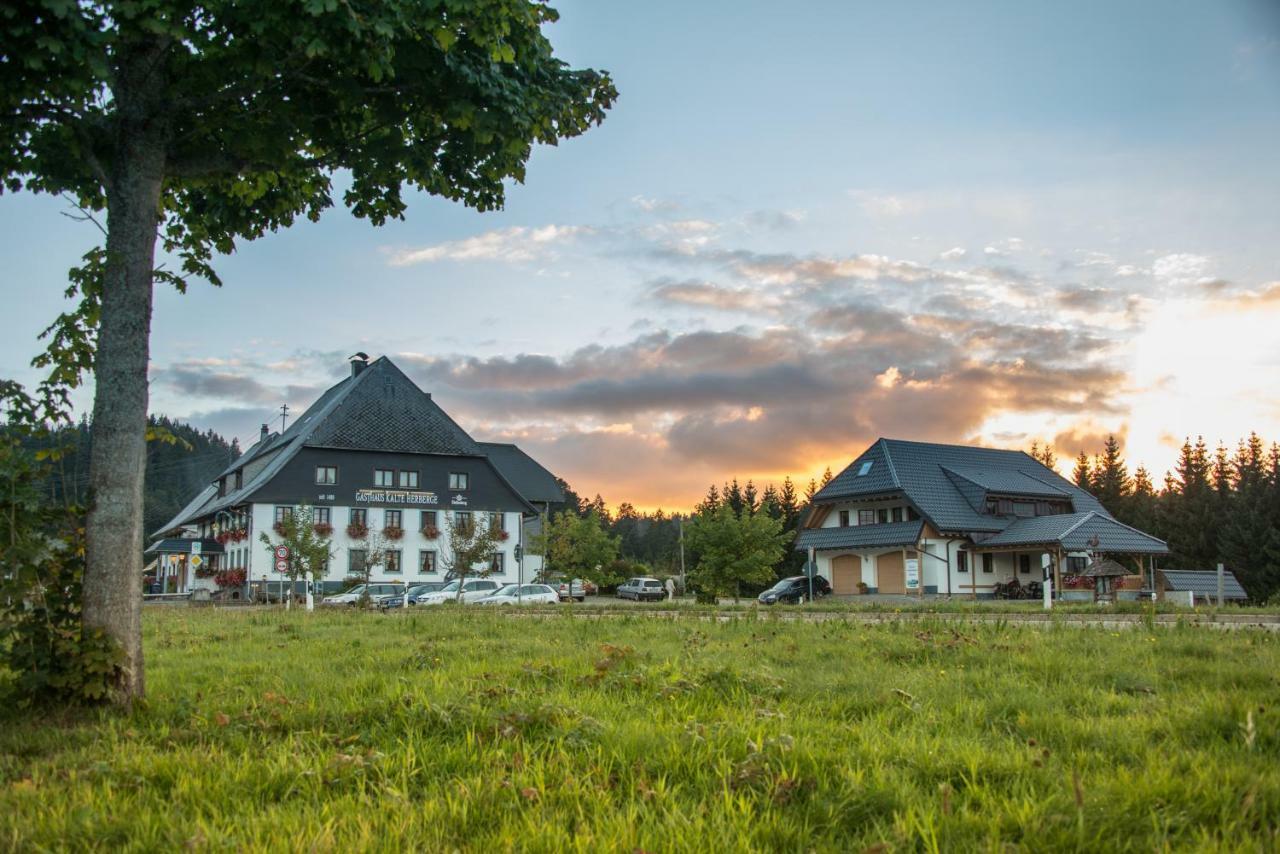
(374, 452)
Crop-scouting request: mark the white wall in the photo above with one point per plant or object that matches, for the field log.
(409, 545)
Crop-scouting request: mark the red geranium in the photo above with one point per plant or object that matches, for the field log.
(324, 529)
(393, 532)
(357, 531)
(430, 532)
(230, 578)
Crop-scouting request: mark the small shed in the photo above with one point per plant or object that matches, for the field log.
(1199, 585)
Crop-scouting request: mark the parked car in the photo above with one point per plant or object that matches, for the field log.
(376, 593)
(575, 589)
(642, 589)
(522, 594)
(794, 590)
(415, 592)
(473, 589)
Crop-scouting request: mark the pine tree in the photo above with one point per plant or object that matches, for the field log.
(1083, 474)
(1110, 478)
(789, 502)
(770, 502)
(750, 499)
(810, 491)
(733, 497)
(826, 475)
(710, 502)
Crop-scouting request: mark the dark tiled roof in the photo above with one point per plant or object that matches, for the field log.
(1204, 582)
(383, 410)
(378, 409)
(524, 473)
(861, 536)
(182, 546)
(919, 470)
(1078, 532)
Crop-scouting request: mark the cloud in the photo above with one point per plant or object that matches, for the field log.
(953, 254)
(1180, 269)
(702, 294)
(512, 245)
(775, 220)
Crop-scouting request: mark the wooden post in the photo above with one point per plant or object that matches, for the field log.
(1057, 573)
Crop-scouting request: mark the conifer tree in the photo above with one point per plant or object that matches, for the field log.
(733, 497)
(826, 475)
(1110, 477)
(1083, 474)
(750, 498)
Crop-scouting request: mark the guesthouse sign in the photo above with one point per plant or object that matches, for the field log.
(395, 496)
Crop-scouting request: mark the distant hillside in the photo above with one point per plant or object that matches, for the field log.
(175, 472)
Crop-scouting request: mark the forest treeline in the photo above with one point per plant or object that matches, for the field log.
(181, 461)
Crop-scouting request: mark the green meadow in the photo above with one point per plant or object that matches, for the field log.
(463, 729)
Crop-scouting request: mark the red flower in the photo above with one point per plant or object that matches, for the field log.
(324, 529)
(501, 535)
(392, 532)
(230, 578)
(357, 531)
(431, 532)
(278, 527)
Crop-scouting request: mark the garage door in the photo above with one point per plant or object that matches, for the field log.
(846, 572)
(889, 573)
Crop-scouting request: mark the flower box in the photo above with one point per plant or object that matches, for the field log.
(323, 529)
(502, 536)
(230, 578)
(278, 527)
(356, 531)
(391, 532)
(239, 535)
(431, 532)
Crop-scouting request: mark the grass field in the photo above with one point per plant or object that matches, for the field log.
(341, 731)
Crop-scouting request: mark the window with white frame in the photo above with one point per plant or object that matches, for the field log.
(384, 477)
(458, 480)
(327, 474)
(408, 479)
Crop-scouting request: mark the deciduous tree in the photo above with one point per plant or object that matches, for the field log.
(734, 549)
(202, 124)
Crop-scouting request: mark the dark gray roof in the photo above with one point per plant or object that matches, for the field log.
(919, 470)
(524, 473)
(861, 536)
(1203, 582)
(377, 409)
(182, 546)
(1077, 532)
(383, 410)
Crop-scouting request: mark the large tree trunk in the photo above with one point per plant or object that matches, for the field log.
(117, 462)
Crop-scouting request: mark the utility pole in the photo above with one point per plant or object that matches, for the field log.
(684, 589)
(284, 414)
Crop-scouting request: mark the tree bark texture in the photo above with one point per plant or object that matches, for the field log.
(117, 464)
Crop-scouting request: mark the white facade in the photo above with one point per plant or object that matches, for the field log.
(939, 561)
(259, 563)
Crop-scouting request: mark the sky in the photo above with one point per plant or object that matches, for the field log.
(802, 227)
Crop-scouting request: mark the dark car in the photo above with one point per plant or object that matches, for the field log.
(642, 589)
(794, 590)
(413, 592)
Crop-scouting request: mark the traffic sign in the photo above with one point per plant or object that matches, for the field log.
(196, 547)
(196, 560)
(282, 566)
(282, 552)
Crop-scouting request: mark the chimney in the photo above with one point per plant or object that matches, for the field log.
(264, 433)
(359, 362)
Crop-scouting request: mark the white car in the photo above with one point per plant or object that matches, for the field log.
(353, 596)
(472, 590)
(522, 594)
